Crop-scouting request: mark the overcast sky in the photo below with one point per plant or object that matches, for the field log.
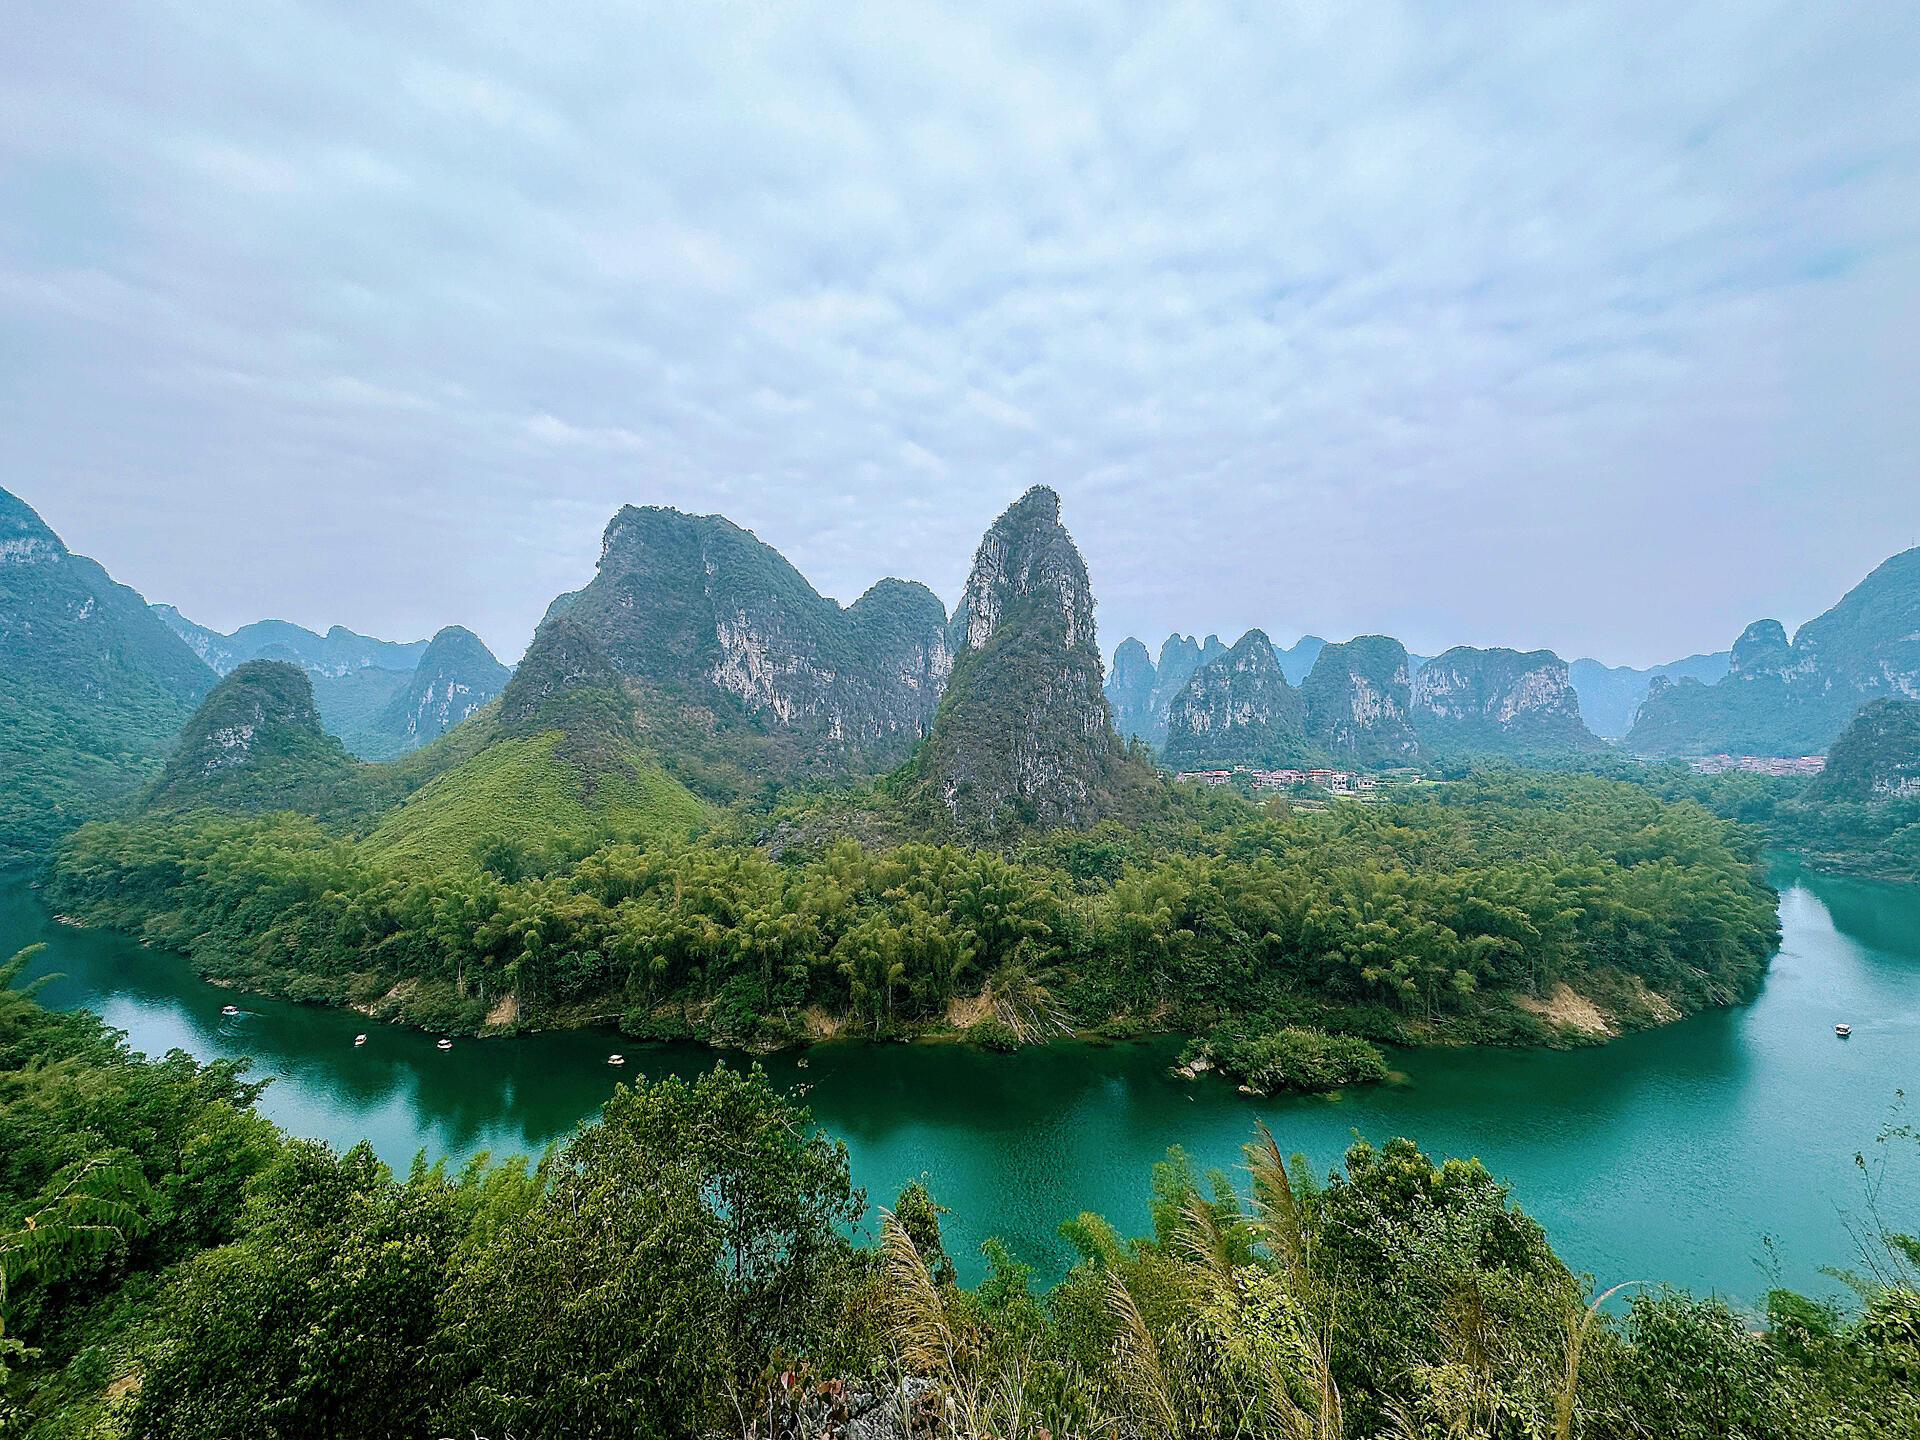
(1587, 326)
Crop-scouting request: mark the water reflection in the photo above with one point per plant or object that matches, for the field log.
(1668, 1154)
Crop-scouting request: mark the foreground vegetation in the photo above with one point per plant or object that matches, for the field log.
(1444, 917)
(698, 1263)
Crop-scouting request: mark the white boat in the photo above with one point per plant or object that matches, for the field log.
(1843, 1031)
(616, 1059)
(446, 1044)
(229, 1009)
(360, 1039)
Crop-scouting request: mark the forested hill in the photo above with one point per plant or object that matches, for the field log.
(1458, 914)
(92, 685)
(1793, 697)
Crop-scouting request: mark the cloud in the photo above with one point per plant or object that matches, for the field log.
(1528, 327)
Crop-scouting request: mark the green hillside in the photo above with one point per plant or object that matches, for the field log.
(525, 789)
(92, 685)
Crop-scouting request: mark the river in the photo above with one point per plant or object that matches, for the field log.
(1673, 1156)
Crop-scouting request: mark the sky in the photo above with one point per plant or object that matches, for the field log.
(1589, 326)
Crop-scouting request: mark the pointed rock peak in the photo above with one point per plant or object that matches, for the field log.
(457, 644)
(1026, 559)
(24, 536)
(1761, 648)
(1180, 650)
(1132, 659)
(1253, 647)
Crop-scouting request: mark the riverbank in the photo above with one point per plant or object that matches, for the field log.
(1667, 1152)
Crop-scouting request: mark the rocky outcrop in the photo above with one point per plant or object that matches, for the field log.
(255, 743)
(1237, 710)
(1359, 702)
(93, 685)
(338, 653)
(1130, 689)
(1762, 652)
(731, 653)
(1022, 738)
(1499, 701)
(1610, 695)
(455, 678)
(1876, 758)
(1145, 717)
(1794, 698)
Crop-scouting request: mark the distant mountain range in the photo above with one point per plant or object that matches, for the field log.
(1767, 695)
(1793, 697)
(698, 666)
(380, 698)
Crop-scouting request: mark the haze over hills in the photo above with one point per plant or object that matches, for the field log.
(93, 686)
(370, 693)
(1610, 695)
(1782, 697)
(699, 651)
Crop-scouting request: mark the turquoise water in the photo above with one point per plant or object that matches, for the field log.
(1668, 1156)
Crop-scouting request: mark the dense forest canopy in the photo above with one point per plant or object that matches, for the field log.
(1418, 919)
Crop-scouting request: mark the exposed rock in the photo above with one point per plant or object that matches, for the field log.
(1781, 698)
(1023, 737)
(1498, 700)
(1876, 758)
(93, 685)
(1761, 650)
(254, 744)
(455, 678)
(741, 668)
(1145, 717)
(1359, 702)
(1238, 710)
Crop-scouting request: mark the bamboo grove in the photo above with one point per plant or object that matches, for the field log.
(1414, 920)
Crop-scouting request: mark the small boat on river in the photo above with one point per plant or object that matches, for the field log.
(360, 1039)
(1843, 1031)
(616, 1059)
(446, 1044)
(229, 1010)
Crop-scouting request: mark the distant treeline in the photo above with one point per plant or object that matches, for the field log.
(698, 1263)
(1419, 919)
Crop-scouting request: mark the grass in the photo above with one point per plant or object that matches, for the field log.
(521, 787)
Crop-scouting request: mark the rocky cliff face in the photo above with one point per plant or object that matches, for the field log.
(1022, 738)
(92, 685)
(455, 678)
(254, 743)
(1130, 689)
(1498, 700)
(1359, 702)
(738, 666)
(1144, 715)
(1876, 758)
(1238, 710)
(1794, 698)
(1610, 695)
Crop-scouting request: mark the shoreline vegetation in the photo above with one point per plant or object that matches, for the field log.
(1507, 907)
(697, 1262)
